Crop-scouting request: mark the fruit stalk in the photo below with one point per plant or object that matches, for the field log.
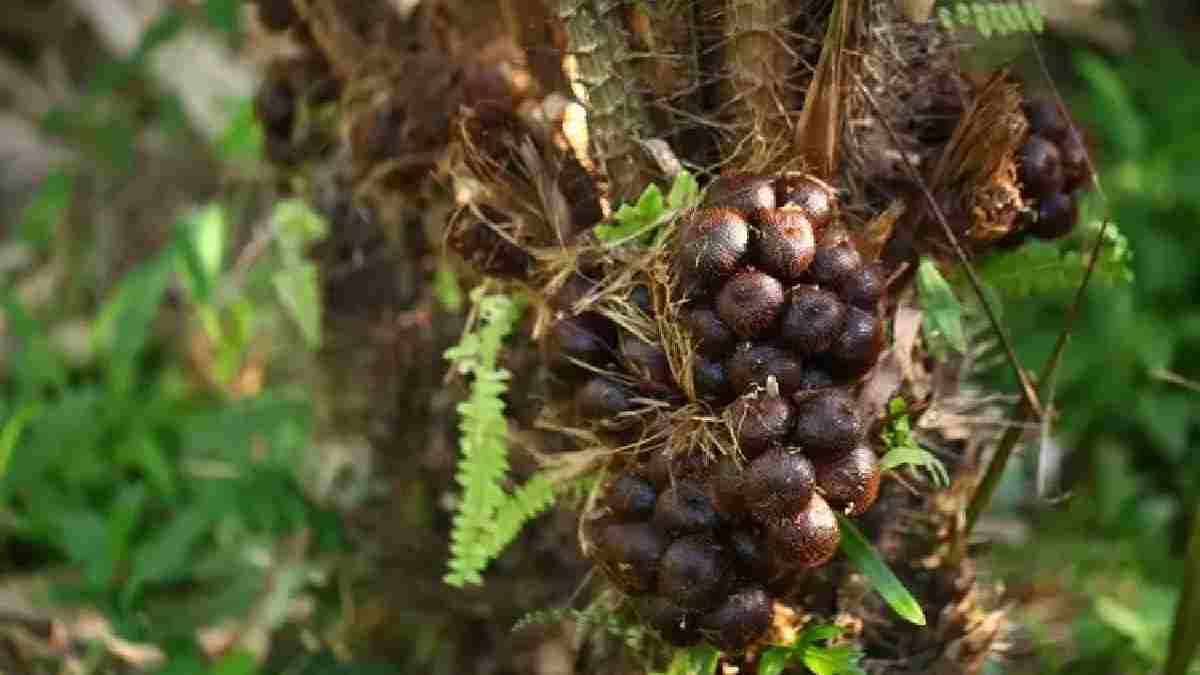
(604, 79)
(758, 64)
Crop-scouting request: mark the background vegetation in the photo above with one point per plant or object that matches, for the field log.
(167, 502)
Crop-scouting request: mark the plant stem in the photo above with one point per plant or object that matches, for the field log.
(1185, 635)
(605, 79)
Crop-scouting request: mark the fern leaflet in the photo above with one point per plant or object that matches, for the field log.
(994, 18)
(487, 518)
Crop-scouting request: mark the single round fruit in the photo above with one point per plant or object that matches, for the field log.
(575, 338)
(1056, 216)
(850, 483)
(864, 288)
(646, 361)
(740, 620)
(277, 14)
(572, 291)
(745, 192)
(630, 555)
(685, 508)
(812, 321)
(750, 302)
(602, 398)
(1045, 119)
(751, 364)
(827, 424)
(858, 346)
(749, 554)
(713, 247)
(831, 263)
(631, 497)
(677, 626)
(785, 245)
(807, 539)
(712, 336)
(816, 199)
(1041, 169)
(758, 420)
(778, 484)
(692, 572)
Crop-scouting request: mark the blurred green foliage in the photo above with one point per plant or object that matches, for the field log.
(1129, 407)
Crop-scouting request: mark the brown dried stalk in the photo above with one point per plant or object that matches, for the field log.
(821, 119)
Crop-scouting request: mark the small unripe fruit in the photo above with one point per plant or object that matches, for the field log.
(864, 288)
(858, 346)
(602, 398)
(677, 626)
(785, 244)
(1045, 119)
(646, 361)
(749, 554)
(827, 424)
(745, 192)
(751, 364)
(808, 539)
(631, 497)
(778, 484)
(831, 263)
(713, 246)
(850, 483)
(1056, 216)
(750, 302)
(740, 620)
(575, 338)
(1041, 169)
(1076, 172)
(710, 379)
(812, 320)
(692, 572)
(630, 555)
(759, 420)
(685, 508)
(712, 336)
(814, 198)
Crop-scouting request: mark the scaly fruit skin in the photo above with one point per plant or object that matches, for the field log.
(780, 316)
(1053, 168)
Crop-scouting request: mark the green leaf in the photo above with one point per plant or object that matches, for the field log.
(299, 289)
(446, 288)
(774, 660)
(241, 142)
(867, 560)
(698, 660)
(836, 660)
(236, 662)
(122, 325)
(296, 226)
(201, 235)
(223, 15)
(10, 433)
(943, 312)
(685, 191)
(46, 209)
(167, 555)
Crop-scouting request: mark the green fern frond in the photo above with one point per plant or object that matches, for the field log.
(993, 18)
(598, 615)
(1039, 268)
(528, 502)
(479, 531)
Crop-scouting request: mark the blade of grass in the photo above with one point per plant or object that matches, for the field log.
(867, 560)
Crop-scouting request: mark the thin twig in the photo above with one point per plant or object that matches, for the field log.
(1027, 389)
(1185, 634)
(1165, 375)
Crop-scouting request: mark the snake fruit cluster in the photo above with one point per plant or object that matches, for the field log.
(1053, 168)
(784, 316)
